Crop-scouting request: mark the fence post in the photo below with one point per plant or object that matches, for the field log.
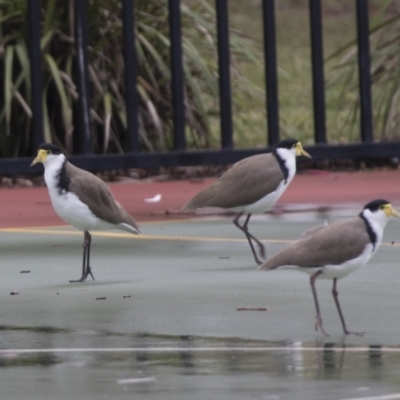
(177, 75)
(364, 72)
(224, 65)
(81, 45)
(35, 56)
(130, 61)
(271, 76)
(317, 58)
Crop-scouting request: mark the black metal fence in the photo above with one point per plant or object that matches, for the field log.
(367, 148)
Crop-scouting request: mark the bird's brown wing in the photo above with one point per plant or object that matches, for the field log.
(92, 191)
(329, 245)
(246, 182)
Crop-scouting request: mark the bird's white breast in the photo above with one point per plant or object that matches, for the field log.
(73, 211)
(68, 206)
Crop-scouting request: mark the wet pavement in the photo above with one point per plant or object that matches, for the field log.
(230, 373)
(161, 319)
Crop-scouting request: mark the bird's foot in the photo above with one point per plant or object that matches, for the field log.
(347, 332)
(258, 261)
(318, 325)
(84, 276)
(89, 272)
(262, 254)
(82, 279)
(262, 250)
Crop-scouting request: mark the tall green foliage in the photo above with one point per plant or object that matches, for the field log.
(106, 72)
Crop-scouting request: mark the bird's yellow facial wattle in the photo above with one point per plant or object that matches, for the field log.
(41, 157)
(390, 211)
(300, 151)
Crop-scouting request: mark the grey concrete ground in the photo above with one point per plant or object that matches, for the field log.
(161, 319)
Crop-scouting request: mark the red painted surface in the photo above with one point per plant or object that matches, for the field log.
(23, 207)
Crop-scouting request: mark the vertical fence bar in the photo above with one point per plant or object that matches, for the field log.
(271, 76)
(81, 45)
(35, 55)
(177, 77)
(130, 60)
(317, 59)
(364, 74)
(224, 65)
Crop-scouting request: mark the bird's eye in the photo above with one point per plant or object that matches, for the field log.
(295, 145)
(381, 207)
(48, 151)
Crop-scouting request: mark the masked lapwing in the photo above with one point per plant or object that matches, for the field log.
(335, 250)
(81, 199)
(252, 186)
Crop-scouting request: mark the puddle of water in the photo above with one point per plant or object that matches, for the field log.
(178, 367)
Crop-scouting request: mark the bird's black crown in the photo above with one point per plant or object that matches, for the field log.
(376, 204)
(286, 144)
(50, 147)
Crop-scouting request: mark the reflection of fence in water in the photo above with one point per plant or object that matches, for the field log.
(189, 355)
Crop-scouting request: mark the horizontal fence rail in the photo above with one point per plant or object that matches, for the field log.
(202, 157)
(180, 156)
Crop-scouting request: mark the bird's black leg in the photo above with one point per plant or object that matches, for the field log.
(318, 318)
(89, 241)
(260, 245)
(335, 294)
(86, 270)
(249, 237)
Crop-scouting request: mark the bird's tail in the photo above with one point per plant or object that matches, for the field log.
(267, 265)
(191, 205)
(129, 228)
(127, 223)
